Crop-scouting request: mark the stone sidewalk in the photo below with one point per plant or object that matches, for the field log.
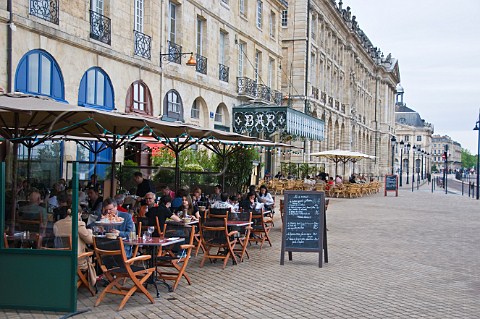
(411, 256)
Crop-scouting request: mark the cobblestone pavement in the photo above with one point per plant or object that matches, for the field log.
(412, 256)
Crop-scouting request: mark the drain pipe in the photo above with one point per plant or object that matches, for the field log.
(9, 47)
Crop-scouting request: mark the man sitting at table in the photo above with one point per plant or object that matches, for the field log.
(162, 211)
(217, 191)
(223, 202)
(149, 204)
(33, 211)
(94, 202)
(63, 228)
(124, 229)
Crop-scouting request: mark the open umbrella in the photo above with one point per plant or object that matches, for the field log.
(343, 156)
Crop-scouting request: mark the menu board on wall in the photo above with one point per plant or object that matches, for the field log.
(304, 223)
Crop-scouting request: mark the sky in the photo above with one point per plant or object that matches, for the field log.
(437, 44)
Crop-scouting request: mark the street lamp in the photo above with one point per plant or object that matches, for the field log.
(423, 153)
(477, 128)
(394, 141)
(402, 144)
(408, 159)
(419, 151)
(414, 151)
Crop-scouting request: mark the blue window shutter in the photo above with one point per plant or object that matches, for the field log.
(82, 91)
(58, 90)
(109, 98)
(21, 76)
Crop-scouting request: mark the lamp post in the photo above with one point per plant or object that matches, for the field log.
(419, 151)
(423, 153)
(402, 145)
(414, 151)
(408, 160)
(477, 128)
(394, 141)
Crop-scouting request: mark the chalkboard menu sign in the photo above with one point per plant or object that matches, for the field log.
(391, 184)
(304, 223)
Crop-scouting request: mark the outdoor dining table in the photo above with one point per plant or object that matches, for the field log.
(155, 246)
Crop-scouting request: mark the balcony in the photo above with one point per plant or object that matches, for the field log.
(249, 88)
(100, 28)
(223, 72)
(201, 64)
(315, 92)
(174, 51)
(142, 44)
(46, 10)
(323, 97)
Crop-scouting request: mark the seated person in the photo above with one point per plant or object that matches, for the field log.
(149, 204)
(162, 211)
(217, 190)
(167, 191)
(265, 197)
(33, 211)
(233, 200)
(352, 179)
(186, 208)
(124, 229)
(94, 202)
(60, 212)
(120, 199)
(249, 204)
(223, 202)
(177, 201)
(63, 228)
(330, 183)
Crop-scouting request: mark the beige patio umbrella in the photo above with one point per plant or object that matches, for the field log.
(343, 156)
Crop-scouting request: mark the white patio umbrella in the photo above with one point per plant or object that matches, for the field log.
(343, 156)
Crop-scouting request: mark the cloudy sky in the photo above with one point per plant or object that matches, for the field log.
(437, 43)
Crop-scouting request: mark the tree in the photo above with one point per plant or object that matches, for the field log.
(238, 168)
(468, 160)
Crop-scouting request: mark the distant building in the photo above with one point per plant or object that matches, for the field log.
(414, 131)
(442, 143)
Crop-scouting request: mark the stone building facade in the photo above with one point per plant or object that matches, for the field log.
(442, 143)
(130, 56)
(412, 130)
(331, 70)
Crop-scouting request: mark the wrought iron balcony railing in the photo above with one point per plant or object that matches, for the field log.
(251, 89)
(100, 27)
(315, 92)
(223, 72)
(45, 9)
(277, 97)
(143, 44)
(201, 64)
(323, 97)
(174, 51)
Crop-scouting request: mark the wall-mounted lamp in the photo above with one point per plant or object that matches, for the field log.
(177, 57)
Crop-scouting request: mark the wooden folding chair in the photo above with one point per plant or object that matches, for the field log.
(119, 270)
(260, 229)
(178, 264)
(240, 247)
(5, 241)
(215, 236)
(83, 274)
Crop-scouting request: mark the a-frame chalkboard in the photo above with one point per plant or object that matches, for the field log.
(304, 224)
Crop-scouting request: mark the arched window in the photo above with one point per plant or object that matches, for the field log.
(38, 73)
(195, 113)
(219, 114)
(172, 106)
(139, 99)
(96, 90)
